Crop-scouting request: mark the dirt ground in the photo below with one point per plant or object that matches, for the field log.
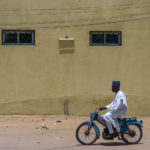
(19, 132)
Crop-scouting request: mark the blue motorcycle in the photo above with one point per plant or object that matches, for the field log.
(88, 132)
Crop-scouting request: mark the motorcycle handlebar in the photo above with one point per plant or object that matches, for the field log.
(97, 110)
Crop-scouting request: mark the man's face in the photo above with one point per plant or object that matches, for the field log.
(115, 88)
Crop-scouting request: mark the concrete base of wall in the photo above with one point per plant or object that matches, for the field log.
(80, 105)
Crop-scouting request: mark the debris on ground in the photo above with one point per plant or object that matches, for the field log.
(43, 126)
(58, 121)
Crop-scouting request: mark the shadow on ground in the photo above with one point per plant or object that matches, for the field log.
(116, 144)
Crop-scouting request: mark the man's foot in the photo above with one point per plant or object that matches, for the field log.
(110, 136)
(116, 134)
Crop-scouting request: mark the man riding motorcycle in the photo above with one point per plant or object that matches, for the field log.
(116, 109)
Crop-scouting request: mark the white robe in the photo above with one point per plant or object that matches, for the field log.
(116, 109)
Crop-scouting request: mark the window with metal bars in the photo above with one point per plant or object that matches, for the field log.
(105, 38)
(18, 37)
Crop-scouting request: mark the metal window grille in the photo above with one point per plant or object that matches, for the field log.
(15, 37)
(105, 38)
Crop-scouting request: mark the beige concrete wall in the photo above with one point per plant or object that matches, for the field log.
(36, 79)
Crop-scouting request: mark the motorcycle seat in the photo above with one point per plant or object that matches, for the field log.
(126, 118)
(121, 118)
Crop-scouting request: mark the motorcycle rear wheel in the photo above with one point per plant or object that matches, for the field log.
(84, 135)
(135, 136)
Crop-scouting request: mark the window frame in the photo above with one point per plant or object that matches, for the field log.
(119, 33)
(18, 32)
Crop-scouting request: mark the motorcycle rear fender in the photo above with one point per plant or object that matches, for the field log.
(95, 127)
(129, 121)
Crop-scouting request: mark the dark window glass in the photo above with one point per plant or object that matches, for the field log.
(10, 37)
(25, 37)
(112, 38)
(97, 38)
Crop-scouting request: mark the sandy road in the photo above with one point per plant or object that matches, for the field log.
(24, 133)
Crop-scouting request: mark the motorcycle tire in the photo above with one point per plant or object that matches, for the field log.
(135, 136)
(83, 133)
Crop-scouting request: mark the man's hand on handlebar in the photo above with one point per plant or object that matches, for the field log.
(102, 108)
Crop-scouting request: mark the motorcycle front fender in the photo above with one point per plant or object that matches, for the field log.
(95, 127)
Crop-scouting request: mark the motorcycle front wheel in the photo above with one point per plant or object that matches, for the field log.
(134, 136)
(84, 135)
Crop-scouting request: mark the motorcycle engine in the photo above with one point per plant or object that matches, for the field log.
(105, 134)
